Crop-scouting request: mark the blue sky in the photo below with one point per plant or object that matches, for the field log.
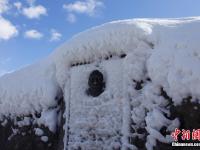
(31, 29)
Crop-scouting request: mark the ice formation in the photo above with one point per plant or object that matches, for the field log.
(138, 58)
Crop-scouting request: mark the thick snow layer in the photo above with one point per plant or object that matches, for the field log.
(96, 122)
(165, 50)
(29, 90)
(172, 63)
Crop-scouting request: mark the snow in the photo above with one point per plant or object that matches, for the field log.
(155, 121)
(39, 132)
(164, 50)
(44, 138)
(96, 122)
(25, 122)
(29, 90)
(48, 118)
(177, 58)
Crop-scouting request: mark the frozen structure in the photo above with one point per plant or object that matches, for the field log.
(122, 85)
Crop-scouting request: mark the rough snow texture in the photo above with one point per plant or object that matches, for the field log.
(165, 51)
(29, 90)
(96, 122)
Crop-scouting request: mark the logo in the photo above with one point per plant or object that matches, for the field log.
(187, 136)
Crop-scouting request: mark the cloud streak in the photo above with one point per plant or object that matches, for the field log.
(71, 18)
(33, 34)
(55, 35)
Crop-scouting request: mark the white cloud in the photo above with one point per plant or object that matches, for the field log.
(55, 35)
(88, 7)
(18, 5)
(33, 34)
(7, 29)
(34, 12)
(71, 18)
(4, 6)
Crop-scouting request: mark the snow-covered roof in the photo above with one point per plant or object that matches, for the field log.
(169, 49)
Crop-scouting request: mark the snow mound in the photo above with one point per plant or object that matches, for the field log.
(172, 63)
(29, 90)
(144, 56)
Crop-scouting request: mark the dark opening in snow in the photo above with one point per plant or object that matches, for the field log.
(96, 83)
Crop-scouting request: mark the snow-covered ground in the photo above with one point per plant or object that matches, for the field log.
(162, 53)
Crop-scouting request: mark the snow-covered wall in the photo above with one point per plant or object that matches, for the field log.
(172, 63)
(159, 53)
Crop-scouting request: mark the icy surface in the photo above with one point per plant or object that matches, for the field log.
(159, 54)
